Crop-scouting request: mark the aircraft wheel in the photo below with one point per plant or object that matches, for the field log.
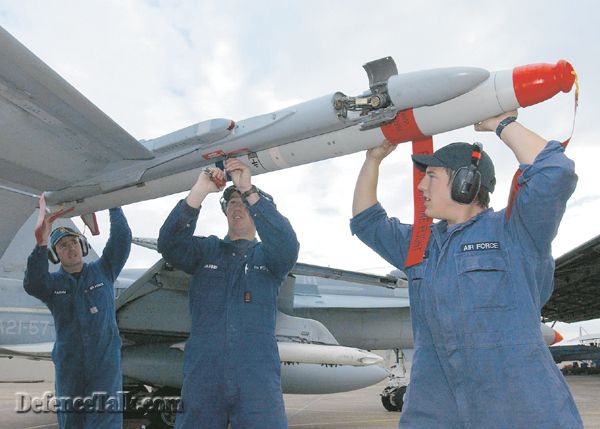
(164, 418)
(399, 397)
(387, 403)
(386, 400)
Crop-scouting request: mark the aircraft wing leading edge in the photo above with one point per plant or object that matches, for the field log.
(15, 209)
(52, 136)
(576, 294)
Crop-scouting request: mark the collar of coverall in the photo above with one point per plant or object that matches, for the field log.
(440, 227)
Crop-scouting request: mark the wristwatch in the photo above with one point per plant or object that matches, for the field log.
(253, 190)
(503, 123)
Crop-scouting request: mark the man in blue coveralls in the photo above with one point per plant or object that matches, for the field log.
(480, 360)
(87, 351)
(231, 369)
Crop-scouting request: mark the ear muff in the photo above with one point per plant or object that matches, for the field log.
(52, 256)
(467, 180)
(83, 243)
(465, 184)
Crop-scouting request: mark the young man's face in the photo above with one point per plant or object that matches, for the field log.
(435, 188)
(238, 218)
(69, 252)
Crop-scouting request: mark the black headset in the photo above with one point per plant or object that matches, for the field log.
(466, 181)
(85, 249)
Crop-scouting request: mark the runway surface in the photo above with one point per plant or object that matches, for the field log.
(358, 409)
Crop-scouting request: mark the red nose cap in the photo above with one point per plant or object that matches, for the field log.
(535, 83)
(557, 337)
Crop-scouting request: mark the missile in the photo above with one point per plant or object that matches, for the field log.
(326, 355)
(161, 365)
(551, 336)
(319, 354)
(397, 107)
(501, 92)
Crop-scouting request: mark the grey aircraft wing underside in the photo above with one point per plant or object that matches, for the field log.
(51, 136)
(576, 294)
(54, 140)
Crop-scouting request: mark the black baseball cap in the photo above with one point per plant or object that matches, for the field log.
(455, 156)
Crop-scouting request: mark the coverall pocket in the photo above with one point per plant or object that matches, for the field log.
(62, 305)
(210, 288)
(258, 307)
(484, 282)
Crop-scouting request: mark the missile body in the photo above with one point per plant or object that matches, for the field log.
(441, 100)
(160, 365)
(326, 355)
(501, 92)
(319, 354)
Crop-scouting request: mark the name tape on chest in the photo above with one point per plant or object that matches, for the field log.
(211, 267)
(96, 286)
(484, 245)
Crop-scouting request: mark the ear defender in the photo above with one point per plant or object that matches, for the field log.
(223, 203)
(52, 256)
(85, 245)
(467, 180)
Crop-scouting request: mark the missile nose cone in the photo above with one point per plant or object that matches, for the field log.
(430, 87)
(557, 337)
(565, 75)
(535, 83)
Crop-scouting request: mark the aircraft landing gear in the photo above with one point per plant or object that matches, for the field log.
(392, 398)
(163, 416)
(159, 406)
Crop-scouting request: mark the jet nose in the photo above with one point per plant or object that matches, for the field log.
(557, 337)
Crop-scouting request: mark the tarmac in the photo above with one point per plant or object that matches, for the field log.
(360, 409)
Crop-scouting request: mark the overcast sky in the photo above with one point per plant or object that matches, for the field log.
(158, 66)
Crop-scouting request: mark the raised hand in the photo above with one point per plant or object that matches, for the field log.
(240, 174)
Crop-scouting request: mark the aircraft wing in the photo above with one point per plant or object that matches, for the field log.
(576, 294)
(14, 210)
(37, 351)
(575, 352)
(51, 136)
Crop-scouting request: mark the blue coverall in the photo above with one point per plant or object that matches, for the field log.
(480, 360)
(231, 364)
(87, 351)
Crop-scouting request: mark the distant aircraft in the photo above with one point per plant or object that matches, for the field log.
(583, 348)
(54, 141)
